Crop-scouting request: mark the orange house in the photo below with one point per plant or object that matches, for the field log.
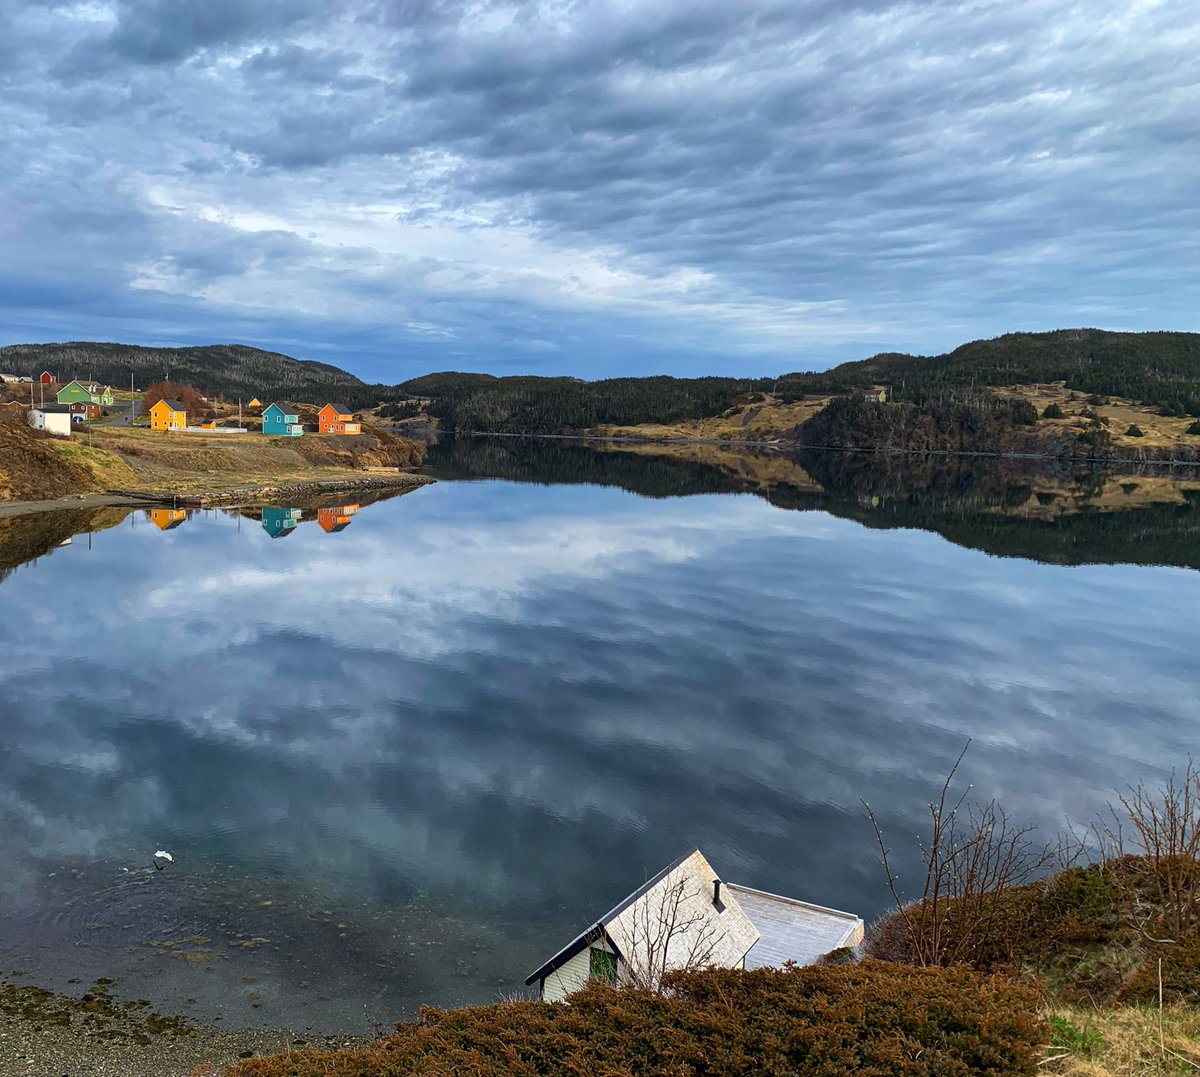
(337, 419)
(336, 519)
(168, 415)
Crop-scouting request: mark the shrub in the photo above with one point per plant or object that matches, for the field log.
(1180, 973)
(1053, 411)
(1194, 428)
(1135, 431)
(872, 1019)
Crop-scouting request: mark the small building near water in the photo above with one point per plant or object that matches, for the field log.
(167, 519)
(338, 518)
(167, 415)
(337, 419)
(712, 923)
(282, 419)
(279, 523)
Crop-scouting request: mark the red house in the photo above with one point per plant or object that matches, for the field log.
(337, 419)
(47, 378)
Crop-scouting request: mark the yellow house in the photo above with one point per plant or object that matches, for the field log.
(167, 519)
(168, 415)
(255, 403)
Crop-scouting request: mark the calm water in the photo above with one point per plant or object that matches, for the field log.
(402, 755)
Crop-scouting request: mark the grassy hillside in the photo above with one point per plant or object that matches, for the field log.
(32, 467)
(231, 369)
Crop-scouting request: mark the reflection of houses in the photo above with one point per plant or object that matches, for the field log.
(167, 415)
(86, 392)
(279, 523)
(55, 418)
(687, 917)
(167, 519)
(337, 419)
(336, 519)
(877, 394)
(283, 420)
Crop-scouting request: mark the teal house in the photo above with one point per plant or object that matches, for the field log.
(282, 420)
(279, 523)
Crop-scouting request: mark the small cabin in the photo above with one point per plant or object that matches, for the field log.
(255, 403)
(46, 378)
(337, 419)
(82, 410)
(167, 519)
(167, 415)
(282, 419)
(877, 394)
(279, 523)
(338, 518)
(687, 917)
(56, 419)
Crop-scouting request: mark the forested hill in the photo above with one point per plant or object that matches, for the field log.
(231, 369)
(1160, 369)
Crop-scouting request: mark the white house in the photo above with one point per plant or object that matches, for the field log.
(54, 418)
(10, 378)
(686, 917)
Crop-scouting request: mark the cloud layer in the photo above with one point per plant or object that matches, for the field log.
(596, 186)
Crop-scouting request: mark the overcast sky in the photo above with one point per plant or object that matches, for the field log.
(595, 186)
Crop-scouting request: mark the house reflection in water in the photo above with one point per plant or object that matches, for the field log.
(337, 518)
(167, 519)
(278, 523)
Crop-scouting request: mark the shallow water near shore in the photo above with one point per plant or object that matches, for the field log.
(401, 754)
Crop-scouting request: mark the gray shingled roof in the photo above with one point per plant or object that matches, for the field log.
(285, 407)
(341, 409)
(174, 405)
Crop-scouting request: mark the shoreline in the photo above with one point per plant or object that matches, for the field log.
(791, 446)
(231, 497)
(46, 1034)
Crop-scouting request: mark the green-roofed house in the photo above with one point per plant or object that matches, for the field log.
(281, 419)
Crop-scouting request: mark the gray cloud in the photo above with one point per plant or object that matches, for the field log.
(766, 181)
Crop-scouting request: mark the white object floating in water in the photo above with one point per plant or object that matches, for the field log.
(162, 858)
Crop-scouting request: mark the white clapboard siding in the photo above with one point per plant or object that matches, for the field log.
(721, 935)
(569, 978)
(793, 930)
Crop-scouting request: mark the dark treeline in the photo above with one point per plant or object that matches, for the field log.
(972, 502)
(228, 369)
(529, 405)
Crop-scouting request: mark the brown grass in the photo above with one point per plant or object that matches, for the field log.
(766, 420)
(1159, 430)
(1128, 1041)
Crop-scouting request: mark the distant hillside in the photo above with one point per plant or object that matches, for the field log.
(231, 369)
(1160, 369)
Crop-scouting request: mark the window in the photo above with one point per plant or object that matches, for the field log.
(603, 965)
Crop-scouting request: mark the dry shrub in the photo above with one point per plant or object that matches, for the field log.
(871, 1019)
(1180, 973)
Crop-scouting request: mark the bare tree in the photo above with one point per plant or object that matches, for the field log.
(972, 855)
(1160, 859)
(668, 929)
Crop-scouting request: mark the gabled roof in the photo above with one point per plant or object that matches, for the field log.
(341, 409)
(793, 930)
(731, 932)
(285, 407)
(174, 405)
